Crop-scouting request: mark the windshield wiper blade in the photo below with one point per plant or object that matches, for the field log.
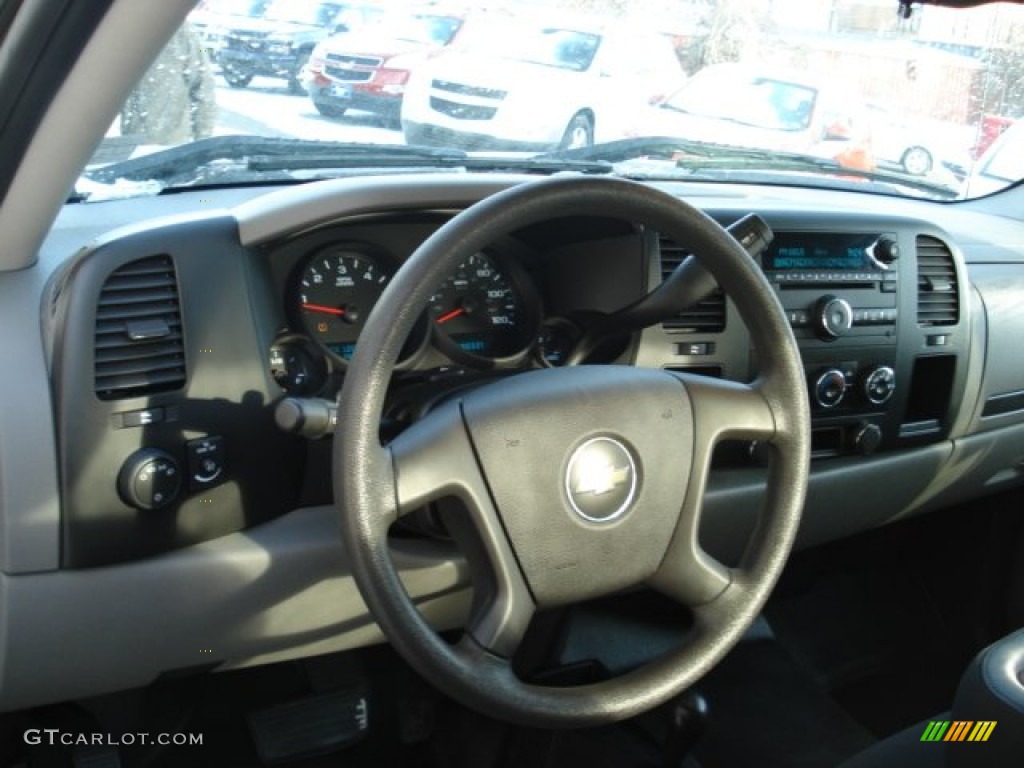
(707, 156)
(186, 163)
(385, 158)
(683, 151)
(543, 164)
(227, 159)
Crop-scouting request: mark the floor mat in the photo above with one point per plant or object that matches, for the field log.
(875, 638)
(766, 710)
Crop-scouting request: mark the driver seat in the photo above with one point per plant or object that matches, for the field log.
(992, 690)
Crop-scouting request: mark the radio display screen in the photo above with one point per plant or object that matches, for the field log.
(817, 251)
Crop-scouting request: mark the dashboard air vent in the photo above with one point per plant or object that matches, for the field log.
(708, 315)
(139, 342)
(937, 300)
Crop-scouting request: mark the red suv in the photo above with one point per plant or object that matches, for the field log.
(369, 69)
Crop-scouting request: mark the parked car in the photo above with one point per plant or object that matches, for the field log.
(280, 43)
(370, 70)
(514, 83)
(1002, 163)
(774, 109)
(916, 146)
(211, 18)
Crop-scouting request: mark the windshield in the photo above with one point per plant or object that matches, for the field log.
(845, 94)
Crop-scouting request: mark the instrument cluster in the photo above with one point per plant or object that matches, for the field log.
(486, 314)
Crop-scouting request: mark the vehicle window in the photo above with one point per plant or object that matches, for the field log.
(549, 46)
(236, 7)
(756, 101)
(302, 12)
(438, 30)
(915, 101)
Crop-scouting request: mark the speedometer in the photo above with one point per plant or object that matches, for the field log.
(336, 290)
(485, 311)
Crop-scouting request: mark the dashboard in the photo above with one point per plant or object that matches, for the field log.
(194, 360)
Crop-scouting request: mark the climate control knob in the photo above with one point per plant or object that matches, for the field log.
(829, 388)
(879, 384)
(833, 317)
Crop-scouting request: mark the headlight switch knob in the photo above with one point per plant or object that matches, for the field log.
(149, 479)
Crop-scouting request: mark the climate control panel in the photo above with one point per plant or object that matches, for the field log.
(851, 386)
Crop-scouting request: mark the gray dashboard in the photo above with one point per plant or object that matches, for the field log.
(249, 569)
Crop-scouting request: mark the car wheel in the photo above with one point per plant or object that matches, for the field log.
(579, 133)
(295, 80)
(552, 509)
(329, 110)
(917, 161)
(236, 78)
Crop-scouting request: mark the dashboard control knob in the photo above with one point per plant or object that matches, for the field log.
(879, 384)
(149, 479)
(833, 317)
(867, 438)
(829, 388)
(885, 250)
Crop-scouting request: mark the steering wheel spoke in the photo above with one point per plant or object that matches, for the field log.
(689, 574)
(721, 410)
(725, 409)
(434, 459)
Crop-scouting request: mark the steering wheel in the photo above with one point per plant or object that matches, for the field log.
(578, 482)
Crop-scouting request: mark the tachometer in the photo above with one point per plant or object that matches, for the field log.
(485, 311)
(337, 288)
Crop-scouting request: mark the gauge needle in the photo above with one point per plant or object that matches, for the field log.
(325, 310)
(450, 315)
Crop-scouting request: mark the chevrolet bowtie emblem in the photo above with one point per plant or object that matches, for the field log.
(600, 478)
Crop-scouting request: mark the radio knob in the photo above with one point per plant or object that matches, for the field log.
(833, 317)
(886, 250)
(829, 388)
(879, 384)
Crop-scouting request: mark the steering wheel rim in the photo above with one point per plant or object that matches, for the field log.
(374, 484)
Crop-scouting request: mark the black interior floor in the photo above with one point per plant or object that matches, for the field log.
(766, 710)
(888, 621)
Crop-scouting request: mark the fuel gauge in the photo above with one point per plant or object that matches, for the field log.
(555, 341)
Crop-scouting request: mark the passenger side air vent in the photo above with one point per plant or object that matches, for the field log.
(708, 315)
(140, 347)
(938, 302)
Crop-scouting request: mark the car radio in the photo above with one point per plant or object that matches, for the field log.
(840, 293)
